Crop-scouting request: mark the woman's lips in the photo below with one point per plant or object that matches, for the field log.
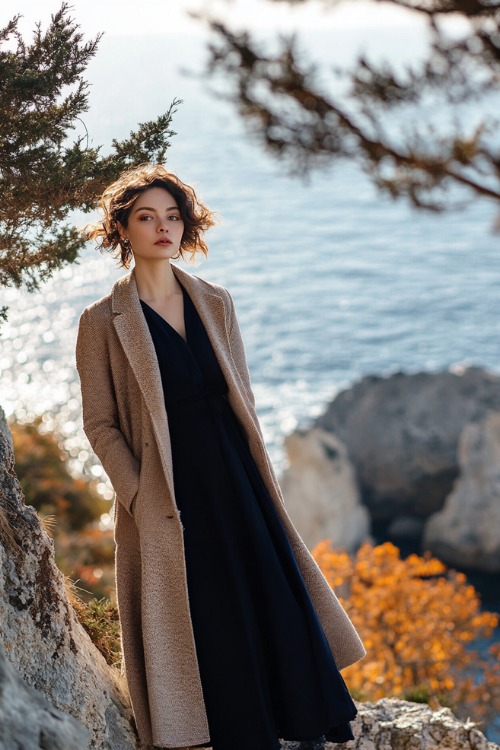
(163, 241)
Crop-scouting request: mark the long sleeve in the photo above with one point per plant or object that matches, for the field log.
(100, 412)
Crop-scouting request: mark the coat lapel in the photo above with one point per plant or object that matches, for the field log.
(211, 308)
(133, 332)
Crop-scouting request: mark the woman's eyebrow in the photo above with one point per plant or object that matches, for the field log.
(149, 208)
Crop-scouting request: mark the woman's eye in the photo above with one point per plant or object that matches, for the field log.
(174, 218)
(145, 217)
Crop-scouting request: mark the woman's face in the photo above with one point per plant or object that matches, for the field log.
(154, 227)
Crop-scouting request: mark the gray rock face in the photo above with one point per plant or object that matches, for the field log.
(28, 721)
(42, 639)
(4, 429)
(392, 724)
(320, 491)
(402, 432)
(467, 531)
(405, 527)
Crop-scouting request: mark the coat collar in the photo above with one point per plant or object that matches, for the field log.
(125, 296)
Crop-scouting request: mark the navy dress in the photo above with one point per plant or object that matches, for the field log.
(265, 665)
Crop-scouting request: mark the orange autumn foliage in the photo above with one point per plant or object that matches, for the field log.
(418, 621)
(69, 506)
(42, 467)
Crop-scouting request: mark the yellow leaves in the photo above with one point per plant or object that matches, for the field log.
(418, 622)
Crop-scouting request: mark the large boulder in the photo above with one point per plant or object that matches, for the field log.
(392, 724)
(321, 492)
(29, 721)
(467, 531)
(42, 638)
(402, 432)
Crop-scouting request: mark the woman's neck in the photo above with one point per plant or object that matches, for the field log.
(155, 281)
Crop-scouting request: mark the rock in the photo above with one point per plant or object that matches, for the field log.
(467, 531)
(320, 491)
(402, 432)
(42, 638)
(405, 527)
(392, 723)
(4, 429)
(29, 721)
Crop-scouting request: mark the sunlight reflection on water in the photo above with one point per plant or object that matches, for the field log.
(331, 281)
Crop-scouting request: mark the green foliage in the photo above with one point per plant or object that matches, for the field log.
(42, 470)
(419, 694)
(45, 172)
(382, 116)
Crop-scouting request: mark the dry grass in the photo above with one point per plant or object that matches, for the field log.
(99, 617)
(7, 534)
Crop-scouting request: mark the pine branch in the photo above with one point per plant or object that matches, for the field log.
(281, 100)
(45, 172)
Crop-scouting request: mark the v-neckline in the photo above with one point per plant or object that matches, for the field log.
(184, 315)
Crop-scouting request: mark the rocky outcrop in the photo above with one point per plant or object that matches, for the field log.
(320, 491)
(4, 430)
(28, 721)
(467, 531)
(400, 725)
(392, 724)
(402, 433)
(43, 641)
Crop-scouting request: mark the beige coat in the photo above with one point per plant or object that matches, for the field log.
(125, 420)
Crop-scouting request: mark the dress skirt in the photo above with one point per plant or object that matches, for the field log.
(267, 671)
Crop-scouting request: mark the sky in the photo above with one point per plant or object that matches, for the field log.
(164, 17)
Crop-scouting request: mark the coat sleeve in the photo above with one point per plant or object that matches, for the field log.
(100, 412)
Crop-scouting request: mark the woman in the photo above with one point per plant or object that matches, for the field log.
(231, 635)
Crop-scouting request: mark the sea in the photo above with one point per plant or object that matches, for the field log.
(332, 281)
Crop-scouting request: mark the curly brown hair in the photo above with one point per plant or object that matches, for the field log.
(117, 200)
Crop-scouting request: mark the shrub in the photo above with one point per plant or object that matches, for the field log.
(43, 472)
(69, 507)
(419, 622)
